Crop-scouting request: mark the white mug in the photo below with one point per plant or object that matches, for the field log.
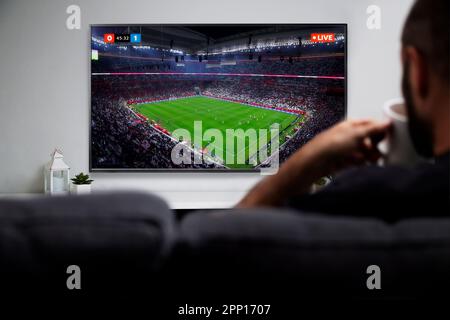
(399, 149)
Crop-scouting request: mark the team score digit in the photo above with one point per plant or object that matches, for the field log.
(260, 309)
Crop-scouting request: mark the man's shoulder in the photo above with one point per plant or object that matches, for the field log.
(366, 191)
(369, 177)
(392, 178)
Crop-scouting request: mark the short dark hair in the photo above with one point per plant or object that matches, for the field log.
(427, 29)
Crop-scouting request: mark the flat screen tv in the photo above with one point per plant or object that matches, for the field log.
(212, 97)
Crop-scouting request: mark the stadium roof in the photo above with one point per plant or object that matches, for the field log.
(195, 38)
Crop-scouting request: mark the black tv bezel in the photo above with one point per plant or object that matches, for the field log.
(191, 170)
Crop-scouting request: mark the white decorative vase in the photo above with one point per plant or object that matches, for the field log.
(80, 188)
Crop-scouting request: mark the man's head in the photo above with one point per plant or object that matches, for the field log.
(425, 83)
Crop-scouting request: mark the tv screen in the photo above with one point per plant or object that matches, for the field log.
(212, 97)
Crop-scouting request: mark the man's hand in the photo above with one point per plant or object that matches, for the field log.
(349, 143)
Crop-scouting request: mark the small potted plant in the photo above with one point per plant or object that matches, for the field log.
(81, 184)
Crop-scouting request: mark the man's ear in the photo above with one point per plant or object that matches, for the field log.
(418, 74)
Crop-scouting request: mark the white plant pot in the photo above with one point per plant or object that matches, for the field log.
(80, 188)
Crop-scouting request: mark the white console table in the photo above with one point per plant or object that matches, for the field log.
(175, 199)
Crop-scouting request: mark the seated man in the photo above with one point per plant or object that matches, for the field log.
(389, 192)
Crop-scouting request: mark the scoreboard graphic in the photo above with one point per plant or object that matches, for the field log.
(122, 38)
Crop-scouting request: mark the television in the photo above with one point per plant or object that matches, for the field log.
(212, 97)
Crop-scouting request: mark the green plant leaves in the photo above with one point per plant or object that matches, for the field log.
(81, 178)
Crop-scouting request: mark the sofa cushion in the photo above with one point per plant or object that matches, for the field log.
(315, 251)
(116, 233)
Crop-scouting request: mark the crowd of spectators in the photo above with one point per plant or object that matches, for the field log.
(326, 111)
(287, 93)
(121, 140)
(312, 66)
(308, 66)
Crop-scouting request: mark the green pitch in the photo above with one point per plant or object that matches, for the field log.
(221, 115)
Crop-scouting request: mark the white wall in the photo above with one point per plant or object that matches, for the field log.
(44, 81)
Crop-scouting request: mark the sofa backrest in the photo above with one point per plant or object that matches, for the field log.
(317, 252)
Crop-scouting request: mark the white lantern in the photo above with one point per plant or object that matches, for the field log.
(56, 173)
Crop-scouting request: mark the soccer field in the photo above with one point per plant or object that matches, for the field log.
(222, 115)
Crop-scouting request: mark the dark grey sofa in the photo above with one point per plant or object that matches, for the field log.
(133, 241)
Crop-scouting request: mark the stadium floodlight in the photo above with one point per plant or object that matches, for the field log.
(94, 54)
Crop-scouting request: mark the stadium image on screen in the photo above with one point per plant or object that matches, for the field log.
(212, 97)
